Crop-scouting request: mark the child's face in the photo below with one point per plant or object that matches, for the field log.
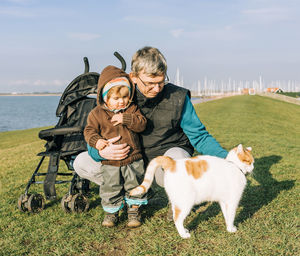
(117, 101)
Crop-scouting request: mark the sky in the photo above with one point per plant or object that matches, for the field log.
(43, 42)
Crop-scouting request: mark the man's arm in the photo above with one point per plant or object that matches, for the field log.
(196, 132)
(94, 153)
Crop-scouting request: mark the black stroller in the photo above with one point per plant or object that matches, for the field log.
(64, 142)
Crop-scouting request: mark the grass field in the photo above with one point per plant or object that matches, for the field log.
(267, 218)
(291, 94)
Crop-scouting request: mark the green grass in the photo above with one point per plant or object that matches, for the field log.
(291, 94)
(267, 218)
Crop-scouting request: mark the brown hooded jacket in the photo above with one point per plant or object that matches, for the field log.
(99, 125)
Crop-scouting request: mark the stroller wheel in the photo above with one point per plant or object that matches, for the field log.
(66, 202)
(35, 203)
(22, 203)
(79, 203)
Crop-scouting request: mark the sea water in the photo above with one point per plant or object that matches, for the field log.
(24, 112)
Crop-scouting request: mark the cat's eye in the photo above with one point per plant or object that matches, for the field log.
(248, 162)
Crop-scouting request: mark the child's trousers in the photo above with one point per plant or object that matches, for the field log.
(117, 184)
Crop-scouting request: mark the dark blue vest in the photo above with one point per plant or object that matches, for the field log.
(163, 115)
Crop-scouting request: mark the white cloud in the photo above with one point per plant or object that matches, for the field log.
(16, 12)
(60, 82)
(38, 82)
(24, 9)
(149, 20)
(268, 14)
(84, 36)
(177, 32)
(19, 82)
(228, 27)
(20, 1)
(223, 33)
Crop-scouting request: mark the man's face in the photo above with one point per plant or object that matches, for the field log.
(148, 85)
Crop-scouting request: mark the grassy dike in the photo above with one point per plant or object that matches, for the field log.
(267, 218)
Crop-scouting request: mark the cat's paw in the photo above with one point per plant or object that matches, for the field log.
(232, 229)
(185, 234)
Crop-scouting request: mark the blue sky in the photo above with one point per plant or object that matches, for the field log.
(42, 42)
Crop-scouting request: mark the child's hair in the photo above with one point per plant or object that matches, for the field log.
(150, 60)
(120, 91)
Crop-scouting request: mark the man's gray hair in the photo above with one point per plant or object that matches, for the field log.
(149, 60)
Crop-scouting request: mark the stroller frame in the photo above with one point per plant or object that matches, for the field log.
(65, 142)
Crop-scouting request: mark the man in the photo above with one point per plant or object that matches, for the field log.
(173, 127)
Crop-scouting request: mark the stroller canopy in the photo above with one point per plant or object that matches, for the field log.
(80, 87)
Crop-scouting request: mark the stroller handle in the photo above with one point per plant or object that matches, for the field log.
(121, 59)
(118, 55)
(86, 65)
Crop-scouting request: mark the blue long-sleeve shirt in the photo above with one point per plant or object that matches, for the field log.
(200, 139)
(191, 125)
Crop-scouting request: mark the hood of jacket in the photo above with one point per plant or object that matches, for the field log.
(107, 74)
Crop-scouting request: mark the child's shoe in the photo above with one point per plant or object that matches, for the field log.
(134, 216)
(110, 219)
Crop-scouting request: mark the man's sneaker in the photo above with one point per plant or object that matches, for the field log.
(134, 216)
(110, 219)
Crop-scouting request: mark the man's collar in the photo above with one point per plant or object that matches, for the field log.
(142, 100)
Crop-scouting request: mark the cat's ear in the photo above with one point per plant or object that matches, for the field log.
(249, 148)
(240, 148)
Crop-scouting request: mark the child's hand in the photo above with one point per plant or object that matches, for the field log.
(117, 118)
(101, 144)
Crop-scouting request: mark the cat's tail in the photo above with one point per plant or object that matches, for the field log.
(167, 163)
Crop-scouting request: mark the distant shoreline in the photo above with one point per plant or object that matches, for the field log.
(31, 94)
(194, 99)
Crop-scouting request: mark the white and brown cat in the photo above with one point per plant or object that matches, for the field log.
(190, 181)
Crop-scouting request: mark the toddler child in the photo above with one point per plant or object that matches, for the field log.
(116, 115)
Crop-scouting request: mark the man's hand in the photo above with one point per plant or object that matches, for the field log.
(115, 152)
(117, 119)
